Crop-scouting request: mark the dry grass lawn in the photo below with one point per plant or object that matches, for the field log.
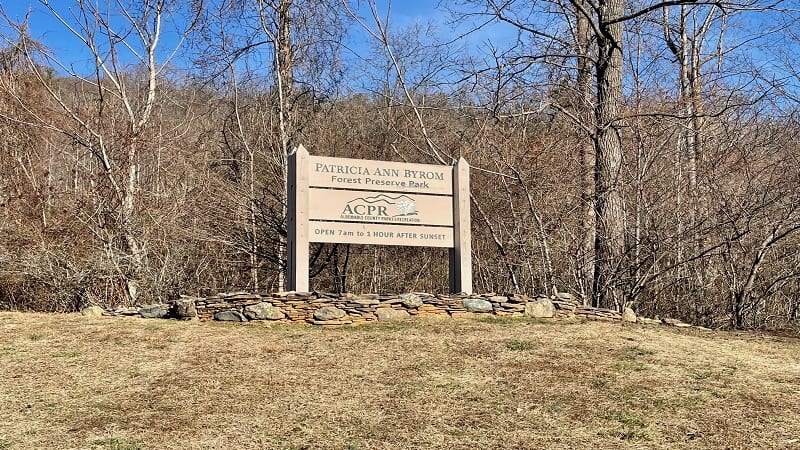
(68, 381)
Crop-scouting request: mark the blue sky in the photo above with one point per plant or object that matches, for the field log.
(766, 54)
(404, 13)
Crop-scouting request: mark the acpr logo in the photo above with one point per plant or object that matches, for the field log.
(381, 208)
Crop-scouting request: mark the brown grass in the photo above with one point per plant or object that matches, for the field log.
(71, 382)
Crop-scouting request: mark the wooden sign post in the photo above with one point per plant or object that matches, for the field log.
(342, 200)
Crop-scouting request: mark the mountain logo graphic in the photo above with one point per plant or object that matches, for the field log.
(380, 206)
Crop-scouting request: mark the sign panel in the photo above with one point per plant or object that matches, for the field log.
(384, 176)
(380, 207)
(340, 200)
(378, 234)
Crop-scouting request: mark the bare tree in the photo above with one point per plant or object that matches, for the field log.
(271, 101)
(112, 118)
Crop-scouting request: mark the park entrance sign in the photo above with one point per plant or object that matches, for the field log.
(354, 201)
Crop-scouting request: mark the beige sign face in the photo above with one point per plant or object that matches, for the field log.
(383, 176)
(340, 200)
(377, 234)
(380, 207)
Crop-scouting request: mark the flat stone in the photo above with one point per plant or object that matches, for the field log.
(121, 311)
(540, 309)
(566, 296)
(514, 306)
(329, 313)
(263, 311)
(391, 314)
(498, 299)
(129, 311)
(629, 316)
(184, 308)
(245, 296)
(411, 300)
(92, 311)
(565, 306)
(599, 318)
(154, 311)
(477, 305)
(230, 316)
(365, 301)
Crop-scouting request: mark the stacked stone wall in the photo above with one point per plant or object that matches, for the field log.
(351, 309)
(326, 309)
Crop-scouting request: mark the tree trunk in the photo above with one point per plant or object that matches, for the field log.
(136, 263)
(586, 155)
(609, 229)
(284, 77)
